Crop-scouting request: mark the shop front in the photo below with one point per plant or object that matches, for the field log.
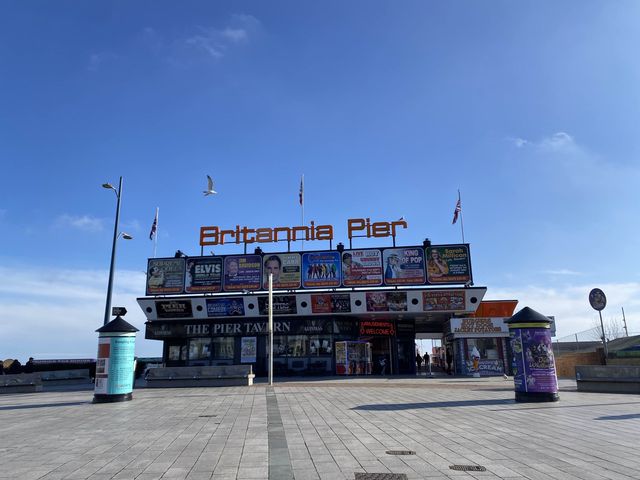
(301, 346)
(213, 310)
(479, 344)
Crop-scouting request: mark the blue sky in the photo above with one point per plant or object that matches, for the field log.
(531, 109)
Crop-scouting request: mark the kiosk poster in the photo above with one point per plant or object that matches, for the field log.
(443, 300)
(285, 268)
(174, 309)
(248, 348)
(242, 272)
(331, 303)
(114, 366)
(204, 274)
(403, 266)
(362, 267)
(321, 269)
(534, 368)
(165, 275)
(224, 307)
(282, 305)
(447, 264)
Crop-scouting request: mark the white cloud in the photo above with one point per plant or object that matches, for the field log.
(86, 223)
(48, 313)
(563, 271)
(558, 142)
(570, 304)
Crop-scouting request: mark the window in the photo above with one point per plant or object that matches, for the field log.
(177, 352)
(223, 348)
(319, 346)
(488, 348)
(297, 345)
(199, 349)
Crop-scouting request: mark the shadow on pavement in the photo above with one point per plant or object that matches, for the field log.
(620, 417)
(458, 403)
(42, 405)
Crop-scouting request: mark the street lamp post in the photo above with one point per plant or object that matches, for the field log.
(126, 236)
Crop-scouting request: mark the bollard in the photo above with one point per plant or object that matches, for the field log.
(115, 362)
(534, 367)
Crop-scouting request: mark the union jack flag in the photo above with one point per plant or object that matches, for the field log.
(301, 194)
(456, 212)
(154, 226)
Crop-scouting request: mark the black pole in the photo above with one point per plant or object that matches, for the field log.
(107, 309)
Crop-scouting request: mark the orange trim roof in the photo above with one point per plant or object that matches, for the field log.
(495, 308)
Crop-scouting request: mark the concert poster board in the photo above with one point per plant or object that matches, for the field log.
(443, 301)
(165, 276)
(225, 307)
(403, 266)
(362, 268)
(282, 305)
(321, 269)
(174, 309)
(285, 268)
(203, 275)
(386, 301)
(331, 303)
(448, 264)
(242, 272)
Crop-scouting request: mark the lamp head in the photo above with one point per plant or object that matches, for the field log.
(126, 236)
(108, 186)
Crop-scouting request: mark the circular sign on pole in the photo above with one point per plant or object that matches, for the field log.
(597, 299)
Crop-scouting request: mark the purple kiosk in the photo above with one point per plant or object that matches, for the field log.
(534, 366)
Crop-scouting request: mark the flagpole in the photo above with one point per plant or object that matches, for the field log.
(461, 222)
(302, 204)
(155, 239)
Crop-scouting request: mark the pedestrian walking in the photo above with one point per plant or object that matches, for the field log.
(449, 358)
(419, 361)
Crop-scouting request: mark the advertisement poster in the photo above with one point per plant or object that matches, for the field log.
(362, 267)
(321, 269)
(282, 305)
(165, 275)
(403, 266)
(285, 268)
(331, 303)
(102, 366)
(204, 275)
(224, 307)
(377, 302)
(121, 365)
(447, 264)
(441, 301)
(174, 309)
(242, 272)
(248, 349)
(114, 365)
(534, 367)
(486, 367)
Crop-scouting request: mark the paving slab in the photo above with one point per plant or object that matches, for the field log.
(321, 428)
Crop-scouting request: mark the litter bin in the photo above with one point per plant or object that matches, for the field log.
(534, 366)
(115, 362)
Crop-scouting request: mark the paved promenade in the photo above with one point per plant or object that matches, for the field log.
(337, 428)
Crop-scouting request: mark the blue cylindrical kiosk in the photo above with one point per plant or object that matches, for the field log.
(115, 362)
(534, 366)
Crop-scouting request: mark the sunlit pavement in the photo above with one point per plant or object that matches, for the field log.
(326, 428)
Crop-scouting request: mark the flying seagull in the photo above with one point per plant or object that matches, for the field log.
(209, 190)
